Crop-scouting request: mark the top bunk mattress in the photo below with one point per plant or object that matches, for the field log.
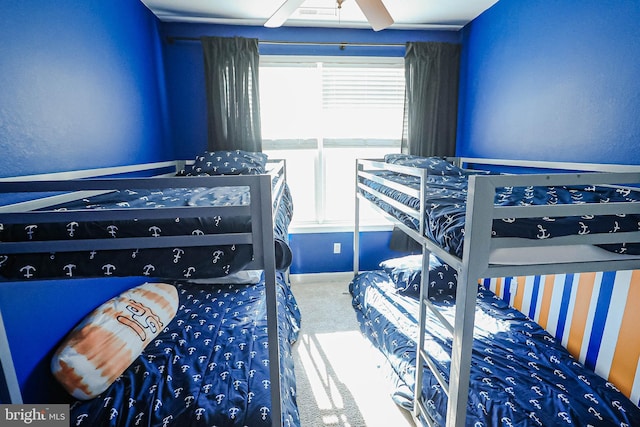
(445, 203)
(178, 262)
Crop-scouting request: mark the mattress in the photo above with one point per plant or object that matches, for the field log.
(209, 366)
(175, 262)
(520, 375)
(445, 206)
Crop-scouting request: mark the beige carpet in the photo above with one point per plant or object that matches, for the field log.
(340, 376)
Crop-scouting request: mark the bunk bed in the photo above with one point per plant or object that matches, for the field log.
(215, 234)
(463, 219)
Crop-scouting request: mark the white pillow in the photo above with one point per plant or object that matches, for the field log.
(250, 277)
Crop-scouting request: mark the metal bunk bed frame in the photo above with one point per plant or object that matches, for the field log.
(262, 198)
(475, 263)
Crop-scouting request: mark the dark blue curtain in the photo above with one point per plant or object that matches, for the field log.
(233, 103)
(431, 98)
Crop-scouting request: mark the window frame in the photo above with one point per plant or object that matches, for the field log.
(377, 222)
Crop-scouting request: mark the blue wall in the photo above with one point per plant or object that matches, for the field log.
(314, 252)
(552, 80)
(82, 86)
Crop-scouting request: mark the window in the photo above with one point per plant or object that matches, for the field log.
(321, 114)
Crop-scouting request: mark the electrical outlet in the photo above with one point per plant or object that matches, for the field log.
(337, 248)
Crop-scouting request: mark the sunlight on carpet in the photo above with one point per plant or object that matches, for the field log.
(340, 376)
(346, 381)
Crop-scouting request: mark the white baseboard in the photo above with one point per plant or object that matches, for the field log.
(345, 276)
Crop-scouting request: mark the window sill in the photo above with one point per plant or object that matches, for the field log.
(337, 227)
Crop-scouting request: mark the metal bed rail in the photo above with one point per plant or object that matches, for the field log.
(364, 169)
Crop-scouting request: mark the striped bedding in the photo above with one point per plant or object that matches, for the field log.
(594, 315)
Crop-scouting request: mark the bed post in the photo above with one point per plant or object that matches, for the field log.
(356, 227)
(480, 198)
(418, 409)
(460, 369)
(269, 266)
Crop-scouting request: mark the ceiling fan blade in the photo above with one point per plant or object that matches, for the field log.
(283, 13)
(376, 13)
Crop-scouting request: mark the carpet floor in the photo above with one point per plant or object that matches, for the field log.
(340, 377)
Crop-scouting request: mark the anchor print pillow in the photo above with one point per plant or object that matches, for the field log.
(237, 162)
(406, 274)
(434, 165)
(109, 339)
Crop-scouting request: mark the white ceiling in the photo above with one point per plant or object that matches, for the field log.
(407, 14)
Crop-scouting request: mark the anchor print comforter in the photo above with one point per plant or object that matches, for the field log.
(446, 196)
(208, 367)
(173, 263)
(520, 375)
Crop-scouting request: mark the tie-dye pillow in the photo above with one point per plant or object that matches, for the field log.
(109, 339)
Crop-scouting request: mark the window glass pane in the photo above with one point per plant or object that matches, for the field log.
(301, 178)
(289, 102)
(340, 167)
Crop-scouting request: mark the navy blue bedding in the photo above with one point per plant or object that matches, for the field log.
(446, 197)
(208, 367)
(520, 375)
(173, 263)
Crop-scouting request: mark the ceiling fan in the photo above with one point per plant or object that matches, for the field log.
(374, 10)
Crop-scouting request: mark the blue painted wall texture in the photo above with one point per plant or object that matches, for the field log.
(82, 86)
(314, 252)
(552, 80)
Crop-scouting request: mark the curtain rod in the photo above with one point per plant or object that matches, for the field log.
(342, 45)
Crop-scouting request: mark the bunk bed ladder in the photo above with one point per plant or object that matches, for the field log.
(461, 332)
(457, 388)
(422, 357)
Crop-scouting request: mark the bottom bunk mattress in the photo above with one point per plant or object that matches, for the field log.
(520, 374)
(208, 367)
